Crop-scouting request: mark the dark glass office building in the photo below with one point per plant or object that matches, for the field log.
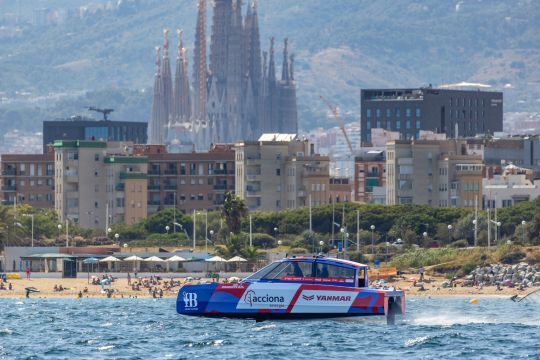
(458, 113)
(79, 128)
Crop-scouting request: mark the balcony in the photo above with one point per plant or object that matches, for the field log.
(120, 187)
(155, 187)
(9, 187)
(253, 177)
(220, 187)
(50, 173)
(170, 187)
(154, 172)
(171, 172)
(373, 174)
(253, 193)
(9, 172)
(252, 160)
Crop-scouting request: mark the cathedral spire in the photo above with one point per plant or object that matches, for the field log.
(292, 67)
(180, 34)
(272, 64)
(166, 77)
(285, 66)
(158, 120)
(182, 99)
(199, 63)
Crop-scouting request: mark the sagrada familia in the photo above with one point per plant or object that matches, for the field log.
(237, 96)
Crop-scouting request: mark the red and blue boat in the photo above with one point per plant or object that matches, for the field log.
(295, 288)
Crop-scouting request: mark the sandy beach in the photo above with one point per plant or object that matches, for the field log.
(72, 287)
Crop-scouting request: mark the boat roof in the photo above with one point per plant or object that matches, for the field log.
(327, 260)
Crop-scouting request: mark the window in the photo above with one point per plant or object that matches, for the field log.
(408, 112)
(40, 169)
(368, 124)
(398, 112)
(398, 124)
(378, 124)
(418, 124)
(336, 273)
(290, 271)
(378, 113)
(368, 113)
(408, 124)
(388, 113)
(96, 157)
(96, 204)
(418, 112)
(278, 172)
(389, 124)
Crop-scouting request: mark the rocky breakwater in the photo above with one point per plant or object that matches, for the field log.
(520, 275)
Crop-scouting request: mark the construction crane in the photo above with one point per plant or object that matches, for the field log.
(341, 125)
(105, 112)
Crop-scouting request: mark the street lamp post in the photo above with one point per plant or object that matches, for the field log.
(523, 223)
(109, 231)
(475, 223)
(321, 244)
(275, 232)
(167, 228)
(117, 237)
(59, 226)
(372, 227)
(450, 227)
(211, 237)
(342, 231)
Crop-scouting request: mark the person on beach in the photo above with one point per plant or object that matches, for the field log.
(421, 272)
(129, 279)
(28, 273)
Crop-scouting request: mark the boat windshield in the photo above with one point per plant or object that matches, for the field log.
(290, 271)
(265, 270)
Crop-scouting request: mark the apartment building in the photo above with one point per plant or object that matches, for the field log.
(370, 176)
(514, 185)
(99, 183)
(81, 128)
(281, 171)
(458, 113)
(188, 181)
(435, 173)
(341, 189)
(27, 178)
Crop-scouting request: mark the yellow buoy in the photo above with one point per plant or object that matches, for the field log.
(473, 301)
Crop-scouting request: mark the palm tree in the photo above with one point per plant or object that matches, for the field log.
(252, 255)
(231, 247)
(234, 209)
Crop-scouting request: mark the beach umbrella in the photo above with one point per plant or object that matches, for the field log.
(110, 259)
(175, 258)
(237, 259)
(134, 258)
(216, 259)
(88, 261)
(154, 259)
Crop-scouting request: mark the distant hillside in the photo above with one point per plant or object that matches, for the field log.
(340, 47)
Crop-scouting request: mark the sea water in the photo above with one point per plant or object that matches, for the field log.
(434, 328)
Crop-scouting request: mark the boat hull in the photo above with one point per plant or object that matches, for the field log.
(282, 301)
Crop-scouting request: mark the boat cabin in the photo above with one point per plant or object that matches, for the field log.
(314, 270)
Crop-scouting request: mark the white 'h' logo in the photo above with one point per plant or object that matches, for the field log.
(190, 300)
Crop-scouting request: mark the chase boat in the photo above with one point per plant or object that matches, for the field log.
(295, 288)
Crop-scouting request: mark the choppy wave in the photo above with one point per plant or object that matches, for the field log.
(122, 328)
